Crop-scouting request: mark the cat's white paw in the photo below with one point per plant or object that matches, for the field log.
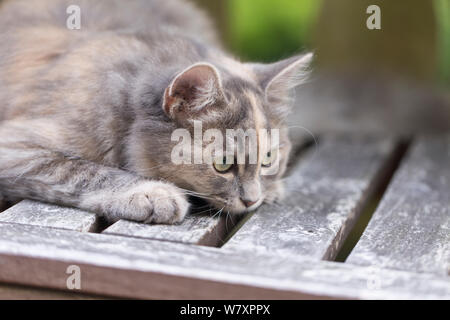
(157, 202)
(150, 202)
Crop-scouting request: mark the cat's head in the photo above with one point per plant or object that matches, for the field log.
(206, 100)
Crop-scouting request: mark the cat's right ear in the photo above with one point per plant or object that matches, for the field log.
(193, 93)
(277, 79)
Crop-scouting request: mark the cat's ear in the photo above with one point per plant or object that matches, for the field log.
(278, 78)
(193, 92)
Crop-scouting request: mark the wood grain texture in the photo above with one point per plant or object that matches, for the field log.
(14, 292)
(48, 215)
(410, 230)
(325, 196)
(201, 229)
(132, 267)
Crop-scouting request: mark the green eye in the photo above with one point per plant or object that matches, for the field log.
(269, 158)
(221, 166)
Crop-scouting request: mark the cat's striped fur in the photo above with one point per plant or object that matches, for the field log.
(82, 121)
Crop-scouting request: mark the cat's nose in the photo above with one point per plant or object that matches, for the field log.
(249, 203)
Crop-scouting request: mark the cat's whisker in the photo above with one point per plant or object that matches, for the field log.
(193, 193)
(197, 194)
(309, 132)
(202, 207)
(217, 213)
(231, 220)
(226, 221)
(217, 231)
(200, 212)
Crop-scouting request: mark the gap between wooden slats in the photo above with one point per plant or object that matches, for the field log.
(48, 215)
(142, 268)
(325, 196)
(199, 229)
(410, 230)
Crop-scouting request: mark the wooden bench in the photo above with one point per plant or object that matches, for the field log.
(286, 250)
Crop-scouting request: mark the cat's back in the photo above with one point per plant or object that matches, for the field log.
(34, 36)
(109, 15)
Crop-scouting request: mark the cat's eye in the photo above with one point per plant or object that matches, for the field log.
(221, 165)
(269, 158)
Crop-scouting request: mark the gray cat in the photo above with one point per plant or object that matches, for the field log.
(86, 116)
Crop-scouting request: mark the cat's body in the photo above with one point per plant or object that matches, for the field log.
(86, 115)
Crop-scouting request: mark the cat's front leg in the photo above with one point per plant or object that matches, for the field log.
(29, 169)
(112, 193)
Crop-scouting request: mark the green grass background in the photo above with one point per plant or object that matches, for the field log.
(442, 9)
(267, 30)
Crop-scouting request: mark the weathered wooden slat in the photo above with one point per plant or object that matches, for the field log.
(140, 268)
(325, 195)
(410, 230)
(201, 229)
(48, 215)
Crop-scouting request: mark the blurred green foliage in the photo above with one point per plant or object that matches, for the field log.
(442, 9)
(267, 30)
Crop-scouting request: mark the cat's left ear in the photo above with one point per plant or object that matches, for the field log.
(278, 78)
(194, 93)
